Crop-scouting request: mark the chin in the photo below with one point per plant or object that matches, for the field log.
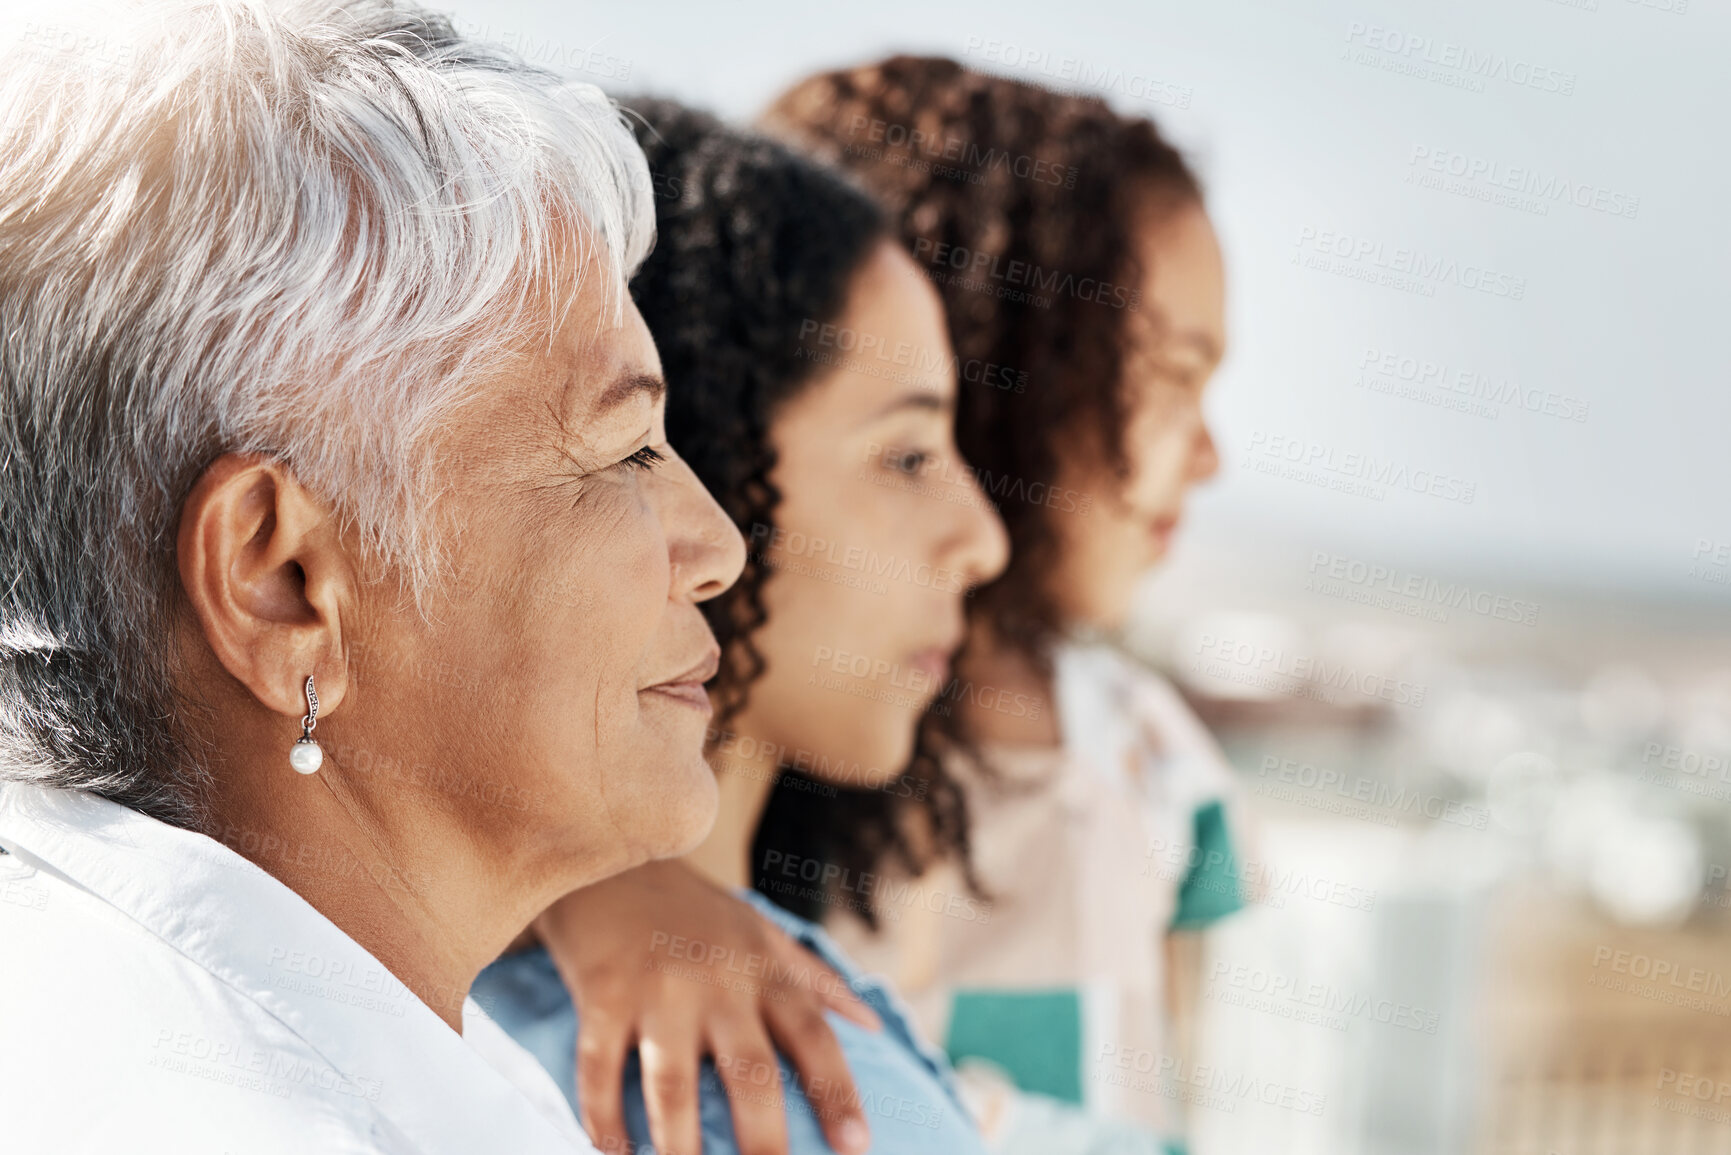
(1096, 614)
(678, 815)
(870, 751)
(692, 812)
(1108, 605)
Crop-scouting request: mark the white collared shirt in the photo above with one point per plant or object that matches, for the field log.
(160, 993)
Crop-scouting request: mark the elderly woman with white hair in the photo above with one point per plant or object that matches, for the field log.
(348, 589)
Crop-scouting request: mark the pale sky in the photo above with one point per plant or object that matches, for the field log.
(1308, 122)
(1313, 131)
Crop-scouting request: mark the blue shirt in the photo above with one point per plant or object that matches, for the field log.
(907, 1090)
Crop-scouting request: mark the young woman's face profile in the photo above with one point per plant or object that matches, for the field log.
(879, 534)
(1130, 522)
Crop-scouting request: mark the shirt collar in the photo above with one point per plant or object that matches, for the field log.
(253, 933)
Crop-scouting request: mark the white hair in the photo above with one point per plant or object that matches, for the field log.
(301, 229)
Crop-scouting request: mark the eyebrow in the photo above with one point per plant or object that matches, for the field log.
(628, 385)
(1203, 342)
(924, 399)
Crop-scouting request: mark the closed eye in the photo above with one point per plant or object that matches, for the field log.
(645, 458)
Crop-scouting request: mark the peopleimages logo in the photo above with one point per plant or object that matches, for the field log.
(1330, 572)
(76, 43)
(1461, 65)
(924, 364)
(1687, 761)
(972, 160)
(241, 1065)
(1494, 177)
(883, 892)
(1118, 1066)
(1074, 72)
(1690, 771)
(770, 544)
(1279, 670)
(1388, 371)
(1018, 279)
(1688, 1086)
(1411, 270)
(1661, 979)
(1711, 561)
(1273, 992)
(1313, 458)
(997, 487)
(1261, 882)
(540, 50)
(1378, 798)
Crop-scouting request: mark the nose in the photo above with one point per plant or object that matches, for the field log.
(1204, 454)
(978, 547)
(704, 547)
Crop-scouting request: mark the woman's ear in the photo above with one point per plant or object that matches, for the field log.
(269, 581)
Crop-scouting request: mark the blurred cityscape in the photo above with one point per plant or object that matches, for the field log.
(1492, 838)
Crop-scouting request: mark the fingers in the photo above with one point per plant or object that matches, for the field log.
(670, 1053)
(830, 988)
(600, 1069)
(747, 1065)
(835, 993)
(799, 1030)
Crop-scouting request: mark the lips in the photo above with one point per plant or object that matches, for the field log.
(687, 688)
(934, 663)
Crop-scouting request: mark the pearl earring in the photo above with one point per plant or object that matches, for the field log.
(305, 755)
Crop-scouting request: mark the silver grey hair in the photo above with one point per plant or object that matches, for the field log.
(299, 229)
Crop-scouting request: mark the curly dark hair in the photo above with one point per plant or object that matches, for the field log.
(1003, 171)
(753, 242)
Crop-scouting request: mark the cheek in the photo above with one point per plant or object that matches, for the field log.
(1159, 467)
(864, 745)
(629, 608)
(1099, 560)
(845, 728)
(589, 608)
(836, 683)
(808, 620)
(841, 544)
(1106, 544)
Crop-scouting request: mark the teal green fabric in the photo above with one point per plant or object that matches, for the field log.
(1034, 1035)
(1210, 891)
